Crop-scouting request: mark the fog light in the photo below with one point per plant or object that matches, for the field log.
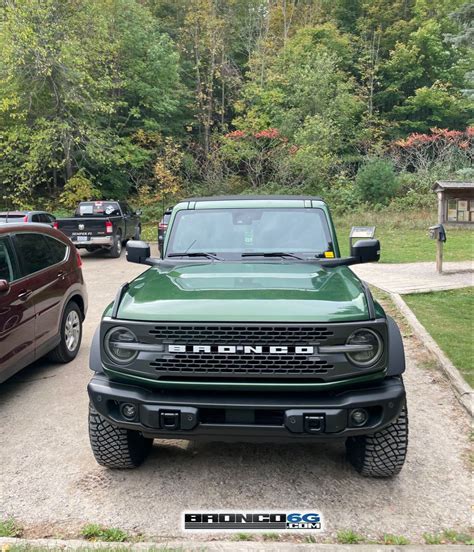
(359, 417)
(129, 411)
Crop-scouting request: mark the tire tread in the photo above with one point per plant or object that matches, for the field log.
(383, 453)
(115, 447)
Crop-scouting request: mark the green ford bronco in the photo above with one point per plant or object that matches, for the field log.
(251, 327)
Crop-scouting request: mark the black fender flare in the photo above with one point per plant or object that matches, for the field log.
(396, 351)
(95, 362)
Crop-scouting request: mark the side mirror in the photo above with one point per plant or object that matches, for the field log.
(366, 251)
(138, 251)
(4, 286)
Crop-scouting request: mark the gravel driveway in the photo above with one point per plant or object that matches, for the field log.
(50, 482)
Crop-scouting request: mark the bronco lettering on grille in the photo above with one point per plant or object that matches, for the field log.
(244, 349)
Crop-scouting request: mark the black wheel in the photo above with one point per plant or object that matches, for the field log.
(114, 447)
(71, 335)
(116, 249)
(138, 231)
(383, 453)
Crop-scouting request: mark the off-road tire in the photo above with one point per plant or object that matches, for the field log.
(61, 353)
(115, 447)
(116, 249)
(383, 453)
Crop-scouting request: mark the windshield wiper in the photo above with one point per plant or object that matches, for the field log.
(196, 254)
(273, 254)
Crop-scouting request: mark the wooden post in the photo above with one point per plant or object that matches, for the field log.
(441, 207)
(439, 256)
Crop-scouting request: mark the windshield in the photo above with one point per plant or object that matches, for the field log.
(97, 209)
(232, 233)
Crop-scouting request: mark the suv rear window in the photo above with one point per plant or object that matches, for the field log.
(97, 209)
(11, 218)
(38, 251)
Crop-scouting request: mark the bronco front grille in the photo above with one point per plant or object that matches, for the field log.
(196, 352)
(238, 365)
(238, 334)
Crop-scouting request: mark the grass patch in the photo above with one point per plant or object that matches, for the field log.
(395, 539)
(150, 232)
(447, 316)
(448, 536)
(348, 536)
(243, 537)
(10, 528)
(404, 236)
(95, 532)
(271, 536)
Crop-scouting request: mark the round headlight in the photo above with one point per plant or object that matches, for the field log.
(115, 343)
(371, 347)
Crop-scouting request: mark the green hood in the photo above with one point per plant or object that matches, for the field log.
(251, 291)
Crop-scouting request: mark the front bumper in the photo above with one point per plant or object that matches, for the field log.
(230, 416)
(102, 241)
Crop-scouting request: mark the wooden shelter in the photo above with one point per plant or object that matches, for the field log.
(455, 202)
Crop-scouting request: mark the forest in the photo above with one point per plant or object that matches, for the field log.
(365, 102)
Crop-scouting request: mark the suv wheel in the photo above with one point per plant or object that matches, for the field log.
(383, 453)
(116, 249)
(114, 447)
(71, 335)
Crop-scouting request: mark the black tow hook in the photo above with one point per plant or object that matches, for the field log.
(314, 423)
(169, 419)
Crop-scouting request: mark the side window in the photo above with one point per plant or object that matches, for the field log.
(56, 250)
(8, 267)
(38, 252)
(35, 218)
(42, 218)
(50, 218)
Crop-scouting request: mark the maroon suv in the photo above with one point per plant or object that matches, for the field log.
(43, 298)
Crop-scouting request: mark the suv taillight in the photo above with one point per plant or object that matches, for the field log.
(162, 226)
(25, 218)
(56, 225)
(79, 259)
(109, 227)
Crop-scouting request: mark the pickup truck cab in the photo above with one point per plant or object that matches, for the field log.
(244, 332)
(101, 225)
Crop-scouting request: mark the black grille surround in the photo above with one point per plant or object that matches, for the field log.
(206, 367)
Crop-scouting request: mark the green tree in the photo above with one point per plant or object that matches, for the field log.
(76, 77)
(376, 181)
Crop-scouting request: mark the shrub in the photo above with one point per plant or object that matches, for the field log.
(376, 182)
(78, 188)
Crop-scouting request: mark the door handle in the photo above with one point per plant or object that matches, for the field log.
(61, 274)
(24, 294)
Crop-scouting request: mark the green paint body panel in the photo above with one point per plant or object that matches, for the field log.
(255, 386)
(250, 291)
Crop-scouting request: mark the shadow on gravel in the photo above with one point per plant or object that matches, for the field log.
(38, 370)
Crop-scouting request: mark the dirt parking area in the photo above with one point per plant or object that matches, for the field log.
(50, 482)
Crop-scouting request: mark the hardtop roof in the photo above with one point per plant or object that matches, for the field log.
(251, 197)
